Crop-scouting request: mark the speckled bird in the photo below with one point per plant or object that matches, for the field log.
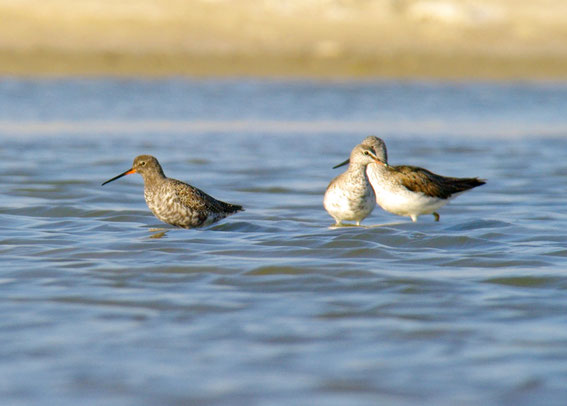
(175, 202)
(349, 196)
(409, 190)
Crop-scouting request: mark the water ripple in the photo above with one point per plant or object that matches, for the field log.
(274, 305)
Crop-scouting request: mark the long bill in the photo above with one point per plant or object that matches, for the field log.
(128, 172)
(341, 164)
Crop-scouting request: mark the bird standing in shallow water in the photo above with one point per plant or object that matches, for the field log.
(175, 202)
(350, 196)
(410, 190)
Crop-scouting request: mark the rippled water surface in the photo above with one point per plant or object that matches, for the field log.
(103, 304)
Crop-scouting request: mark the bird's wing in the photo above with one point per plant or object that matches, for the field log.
(195, 198)
(430, 184)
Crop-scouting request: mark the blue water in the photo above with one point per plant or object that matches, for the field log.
(103, 304)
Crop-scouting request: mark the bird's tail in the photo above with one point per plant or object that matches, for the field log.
(233, 208)
(463, 184)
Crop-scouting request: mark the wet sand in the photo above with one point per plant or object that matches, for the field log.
(56, 63)
(498, 39)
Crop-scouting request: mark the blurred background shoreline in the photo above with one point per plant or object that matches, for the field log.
(441, 39)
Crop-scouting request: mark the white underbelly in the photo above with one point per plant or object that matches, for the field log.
(407, 203)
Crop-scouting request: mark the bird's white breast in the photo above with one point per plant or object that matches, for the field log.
(349, 202)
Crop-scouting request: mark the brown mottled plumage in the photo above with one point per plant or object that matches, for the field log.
(175, 202)
(410, 190)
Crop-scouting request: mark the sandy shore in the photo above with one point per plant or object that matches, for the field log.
(317, 38)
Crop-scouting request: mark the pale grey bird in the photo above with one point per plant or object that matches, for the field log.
(349, 197)
(409, 190)
(175, 202)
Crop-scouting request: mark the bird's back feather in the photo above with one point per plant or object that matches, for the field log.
(424, 181)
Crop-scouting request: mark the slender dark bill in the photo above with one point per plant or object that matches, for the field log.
(128, 172)
(341, 164)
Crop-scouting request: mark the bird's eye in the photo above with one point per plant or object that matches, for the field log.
(143, 163)
(366, 153)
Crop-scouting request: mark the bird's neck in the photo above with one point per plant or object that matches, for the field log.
(154, 177)
(357, 170)
(379, 167)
